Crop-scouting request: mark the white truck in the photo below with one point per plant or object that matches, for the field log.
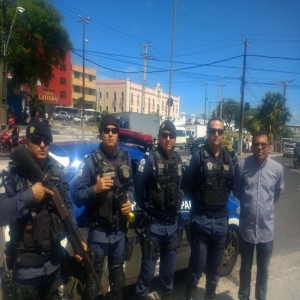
(196, 130)
(143, 123)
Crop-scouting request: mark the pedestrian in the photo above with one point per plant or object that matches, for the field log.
(105, 187)
(258, 184)
(207, 180)
(157, 192)
(34, 252)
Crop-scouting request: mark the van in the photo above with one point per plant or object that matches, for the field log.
(180, 137)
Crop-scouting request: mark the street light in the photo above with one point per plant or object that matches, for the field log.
(84, 21)
(18, 9)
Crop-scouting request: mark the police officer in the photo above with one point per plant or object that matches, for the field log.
(105, 187)
(33, 252)
(208, 182)
(157, 191)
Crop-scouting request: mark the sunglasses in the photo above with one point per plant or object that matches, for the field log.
(263, 145)
(166, 135)
(214, 131)
(107, 130)
(37, 140)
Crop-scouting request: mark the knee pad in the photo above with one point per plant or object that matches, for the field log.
(117, 278)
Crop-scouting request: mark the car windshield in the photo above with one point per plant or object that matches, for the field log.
(180, 132)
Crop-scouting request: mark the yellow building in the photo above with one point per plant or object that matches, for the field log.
(90, 85)
(125, 95)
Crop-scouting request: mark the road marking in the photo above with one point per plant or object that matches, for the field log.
(294, 170)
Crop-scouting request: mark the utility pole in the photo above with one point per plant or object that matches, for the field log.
(169, 102)
(3, 68)
(283, 83)
(206, 83)
(242, 98)
(84, 21)
(221, 100)
(145, 56)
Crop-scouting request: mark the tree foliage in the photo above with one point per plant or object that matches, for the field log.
(271, 116)
(35, 103)
(38, 41)
(230, 111)
(79, 103)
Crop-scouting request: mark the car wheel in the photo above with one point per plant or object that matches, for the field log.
(230, 255)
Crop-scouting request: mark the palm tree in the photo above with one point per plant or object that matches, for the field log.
(271, 116)
(79, 103)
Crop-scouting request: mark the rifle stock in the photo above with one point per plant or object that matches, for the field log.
(25, 161)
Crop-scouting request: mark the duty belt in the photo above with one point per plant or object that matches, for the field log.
(162, 217)
(211, 214)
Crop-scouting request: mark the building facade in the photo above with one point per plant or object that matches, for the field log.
(295, 129)
(59, 90)
(90, 85)
(125, 96)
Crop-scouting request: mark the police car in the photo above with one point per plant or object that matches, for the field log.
(70, 155)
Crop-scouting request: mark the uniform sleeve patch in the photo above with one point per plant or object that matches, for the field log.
(143, 161)
(141, 168)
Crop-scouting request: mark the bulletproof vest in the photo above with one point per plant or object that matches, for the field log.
(212, 184)
(110, 201)
(43, 228)
(163, 192)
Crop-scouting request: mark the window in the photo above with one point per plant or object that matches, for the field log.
(63, 94)
(106, 108)
(76, 74)
(90, 92)
(153, 102)
(100, 108)
(90, 78)
(76, 89)
(131, 108)
(106, 95)
(62, 67)
(137, 110)
(62, 80)
(122, 108)
(115, 109)
(122, 96)
(100, 94)
(115, 96)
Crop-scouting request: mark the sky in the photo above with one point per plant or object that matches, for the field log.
(208, 47)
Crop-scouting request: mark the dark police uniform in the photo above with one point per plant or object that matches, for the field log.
(34, 251)
(156, 185)
(107, 225)
(208, 182)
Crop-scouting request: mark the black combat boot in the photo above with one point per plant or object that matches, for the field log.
(210, 292)
(190, 292)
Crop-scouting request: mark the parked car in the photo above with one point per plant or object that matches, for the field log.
(71, 155)
(288, 150)
(63, 115)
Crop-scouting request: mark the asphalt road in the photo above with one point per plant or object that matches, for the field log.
(286, 254)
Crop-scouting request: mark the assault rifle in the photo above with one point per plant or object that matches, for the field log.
(26, 162)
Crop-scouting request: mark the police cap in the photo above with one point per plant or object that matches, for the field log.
(167, 125)
(40, 129)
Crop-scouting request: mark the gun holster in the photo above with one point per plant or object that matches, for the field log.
(129, 248)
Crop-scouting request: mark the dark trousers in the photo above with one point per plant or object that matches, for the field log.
(166, 267)
(208, 250)
(263, 257)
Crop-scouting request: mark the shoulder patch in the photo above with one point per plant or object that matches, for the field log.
(141, 168)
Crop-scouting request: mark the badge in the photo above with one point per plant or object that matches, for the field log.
(209, 166)
(2, 189)
(125, 171)
(179, 170)
(143, 161)
(141, 168)
(31, 129)
(226, 167)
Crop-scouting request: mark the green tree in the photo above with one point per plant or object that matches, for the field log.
(271, 116)
(79, 103)
(230, 111)
(35, 103)
(38, 42)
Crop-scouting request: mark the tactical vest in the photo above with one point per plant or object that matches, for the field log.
(110, 201)
(43, 228)
(164, 191)
(212, 184)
